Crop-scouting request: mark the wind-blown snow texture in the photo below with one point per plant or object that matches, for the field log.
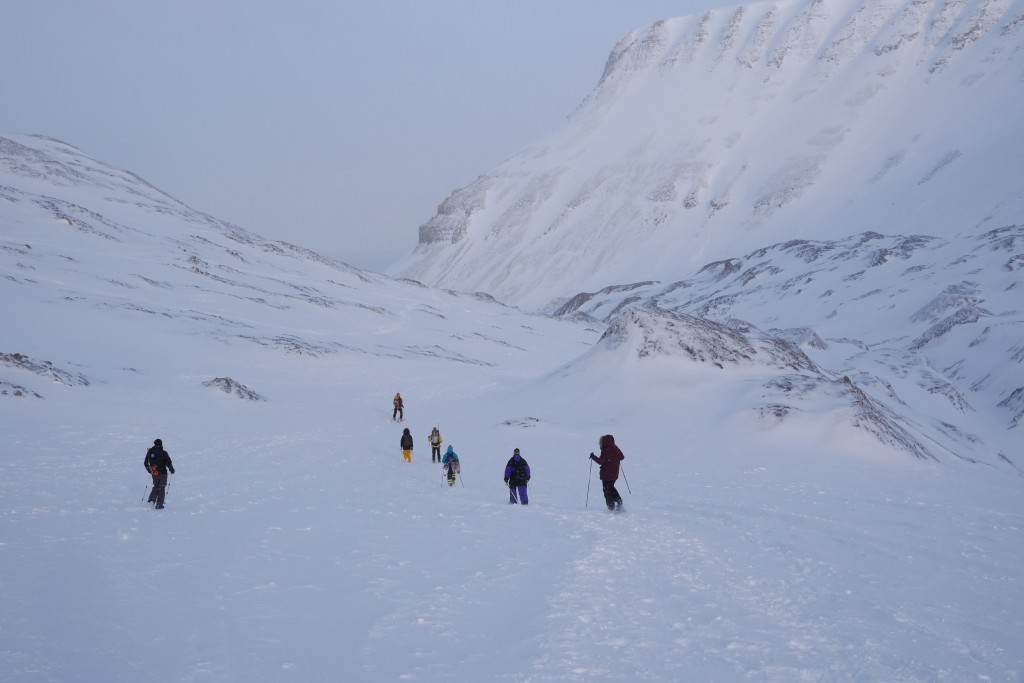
(752, 125)
(811, 494)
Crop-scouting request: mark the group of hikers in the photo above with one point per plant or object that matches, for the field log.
(517, 471)
(449, 461)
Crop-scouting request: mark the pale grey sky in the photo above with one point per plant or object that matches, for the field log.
(339, 126)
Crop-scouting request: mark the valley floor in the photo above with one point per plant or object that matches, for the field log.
(314, 553)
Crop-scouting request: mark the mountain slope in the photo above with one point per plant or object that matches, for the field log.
(742, 127)
(95, 255)
(924, 328)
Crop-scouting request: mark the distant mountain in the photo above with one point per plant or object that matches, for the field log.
(714, 135)
(106, 280)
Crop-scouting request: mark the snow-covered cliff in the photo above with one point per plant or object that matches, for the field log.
(716, 134)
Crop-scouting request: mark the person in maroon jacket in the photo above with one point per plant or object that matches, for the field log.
(609, 461)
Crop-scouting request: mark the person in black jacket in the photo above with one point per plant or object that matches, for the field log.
(609, 461)
(158, 463)
(517, 476)
(406, 444)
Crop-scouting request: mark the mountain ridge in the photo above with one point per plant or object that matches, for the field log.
(756, 124)
(931, 326)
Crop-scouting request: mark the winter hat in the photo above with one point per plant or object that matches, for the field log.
(450, 449)
(515, 452)
(159, 443)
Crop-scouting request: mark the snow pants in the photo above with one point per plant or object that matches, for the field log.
(407, 455)
(435, 453)
(517, 494)
(611, 496)
(156, 495)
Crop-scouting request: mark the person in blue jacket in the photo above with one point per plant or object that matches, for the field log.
(450, 463)
(517, 476)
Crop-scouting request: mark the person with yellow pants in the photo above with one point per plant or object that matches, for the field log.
(406, 444)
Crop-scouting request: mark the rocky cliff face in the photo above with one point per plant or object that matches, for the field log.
(718, 133)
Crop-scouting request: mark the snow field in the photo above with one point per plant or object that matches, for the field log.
(298, 545)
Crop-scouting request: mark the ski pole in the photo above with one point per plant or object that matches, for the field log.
(460, 479)
(624, 479)
(589, 478)
(144, 494)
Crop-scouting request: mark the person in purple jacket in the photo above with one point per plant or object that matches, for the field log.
(517, 476)
(609, 461)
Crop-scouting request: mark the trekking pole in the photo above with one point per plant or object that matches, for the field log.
(144, 494)
(589, 478)
(460, 479)
(624, 479)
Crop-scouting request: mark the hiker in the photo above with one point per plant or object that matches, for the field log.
(435, 445)
(609, 461)
(398, 408)
(451, 465)
(406, 444)
(517, 476)
(157, 462)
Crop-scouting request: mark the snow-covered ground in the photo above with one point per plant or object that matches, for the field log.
(297, 545)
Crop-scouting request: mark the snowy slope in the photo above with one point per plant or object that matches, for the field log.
(721, 133)
(298, 546)
(929, 331)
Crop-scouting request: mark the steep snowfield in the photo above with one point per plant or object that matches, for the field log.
(742, 127)
(298, 546)
(928, 331)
